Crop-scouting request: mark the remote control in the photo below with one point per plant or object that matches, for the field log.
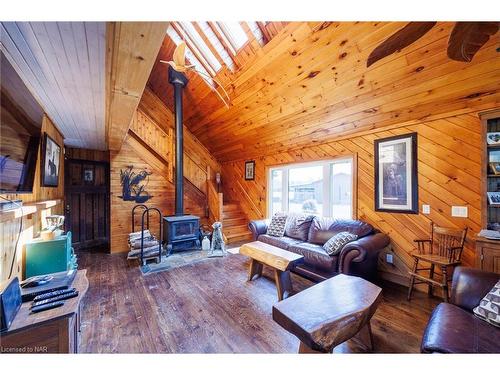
(47, 306)
(52, 294)
(56, 298)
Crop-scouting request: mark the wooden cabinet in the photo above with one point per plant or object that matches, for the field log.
(488, 254)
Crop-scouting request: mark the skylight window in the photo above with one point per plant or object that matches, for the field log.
(200, 44)
(205, 27)
(234, 33)
(257, 33)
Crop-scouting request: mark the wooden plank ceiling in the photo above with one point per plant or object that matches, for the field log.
(63, 65)
(309, 84)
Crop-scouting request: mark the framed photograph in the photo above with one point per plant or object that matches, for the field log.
(495, 168)
(493, 138)
(396, 178)
(494, 156)
(51, 158)
(88, 175)
(250, 170)
(494, 198)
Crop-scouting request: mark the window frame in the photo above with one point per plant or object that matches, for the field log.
(327, 175)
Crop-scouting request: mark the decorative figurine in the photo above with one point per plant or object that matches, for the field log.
(217, 249)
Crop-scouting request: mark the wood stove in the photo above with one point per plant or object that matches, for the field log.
(181, 232)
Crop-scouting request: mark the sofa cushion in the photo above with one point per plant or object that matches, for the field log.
(281, 242)
(297, 226)
(453, 330)
(489, 307)
(276, 227)
(323, 228)
(315, 255)
(338, 241)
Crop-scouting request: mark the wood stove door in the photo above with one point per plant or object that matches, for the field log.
(87, 203)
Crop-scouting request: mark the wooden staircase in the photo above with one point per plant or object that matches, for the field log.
(235, 223)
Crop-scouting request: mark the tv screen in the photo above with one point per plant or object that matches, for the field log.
(20, 132)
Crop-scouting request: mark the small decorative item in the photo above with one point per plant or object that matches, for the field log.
(217, 248)
(494, 198)
(250, 170)
(132, 187)
(53, 227)
(495, 168)
(51, 153)
(494, 156)
(88, 175)
(396, 185)
(205, 244)
(493, 138)
(218, 180)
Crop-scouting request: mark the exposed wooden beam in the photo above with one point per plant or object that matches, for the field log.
(251, 38)
(209, 44)
(263, 30)
(224, 41)
(131, 53)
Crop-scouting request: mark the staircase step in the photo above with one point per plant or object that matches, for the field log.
(236, 229)
(232, 215)
(240, 220)
(237, 238)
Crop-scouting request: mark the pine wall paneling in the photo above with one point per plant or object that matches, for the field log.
(32, 223)
(149, 146)
(449, 152)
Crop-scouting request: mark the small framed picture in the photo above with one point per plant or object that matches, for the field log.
(51, 157)
(88, 175)
(494, 198)
(493, 138)
(396, 178)
(495, 168)
(494, 156)
(250, 170)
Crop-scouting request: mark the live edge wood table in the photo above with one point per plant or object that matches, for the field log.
(280, 260)
(50, 331)
(329, 313)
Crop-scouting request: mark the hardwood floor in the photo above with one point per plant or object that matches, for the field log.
(209, 307)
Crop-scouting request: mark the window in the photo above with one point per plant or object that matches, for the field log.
(200, 44)
(234, 33)
(322, 188)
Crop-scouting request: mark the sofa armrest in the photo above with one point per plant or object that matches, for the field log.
(470, 285)
(365, 248)
(258, 227)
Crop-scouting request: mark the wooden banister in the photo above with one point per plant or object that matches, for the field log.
(215, 199)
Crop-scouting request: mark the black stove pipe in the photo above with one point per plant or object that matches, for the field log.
(179, 81)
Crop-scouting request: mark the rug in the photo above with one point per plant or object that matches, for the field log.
(176, 260)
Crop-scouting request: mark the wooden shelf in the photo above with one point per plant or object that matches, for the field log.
(27, 209)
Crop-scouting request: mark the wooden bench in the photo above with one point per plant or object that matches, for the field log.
(280, 260)
(329, 313)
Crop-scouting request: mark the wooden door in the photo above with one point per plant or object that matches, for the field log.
(87, 203)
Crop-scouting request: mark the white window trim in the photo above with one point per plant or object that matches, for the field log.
(327, 172)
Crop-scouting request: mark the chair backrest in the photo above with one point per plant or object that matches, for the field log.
(443, 239)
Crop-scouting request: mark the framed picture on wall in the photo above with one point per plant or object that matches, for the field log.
(250, 170)
(51, 158)
(396, 179)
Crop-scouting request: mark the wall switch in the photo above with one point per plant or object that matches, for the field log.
(459, 211)
(389, 258)
(426, 209)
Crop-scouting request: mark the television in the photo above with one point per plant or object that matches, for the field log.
(20, 132)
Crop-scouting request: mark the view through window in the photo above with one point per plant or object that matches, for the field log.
(321, 188)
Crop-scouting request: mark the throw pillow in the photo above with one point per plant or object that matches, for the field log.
(297, 226)
(277, 226)
(489, 307)
(338, 241)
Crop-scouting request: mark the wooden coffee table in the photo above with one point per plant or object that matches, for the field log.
(280, 260)
(329, 313)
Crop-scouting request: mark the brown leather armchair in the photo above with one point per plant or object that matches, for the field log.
(453, 327)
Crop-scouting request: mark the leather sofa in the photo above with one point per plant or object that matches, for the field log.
(357, 258)
(453, 327)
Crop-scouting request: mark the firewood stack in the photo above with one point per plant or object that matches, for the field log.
(151, 244)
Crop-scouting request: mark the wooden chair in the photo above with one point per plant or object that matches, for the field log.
(443, 249)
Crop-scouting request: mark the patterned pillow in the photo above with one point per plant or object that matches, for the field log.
(338, 241)
(277, 226)
(489, 307)
(297, 226)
